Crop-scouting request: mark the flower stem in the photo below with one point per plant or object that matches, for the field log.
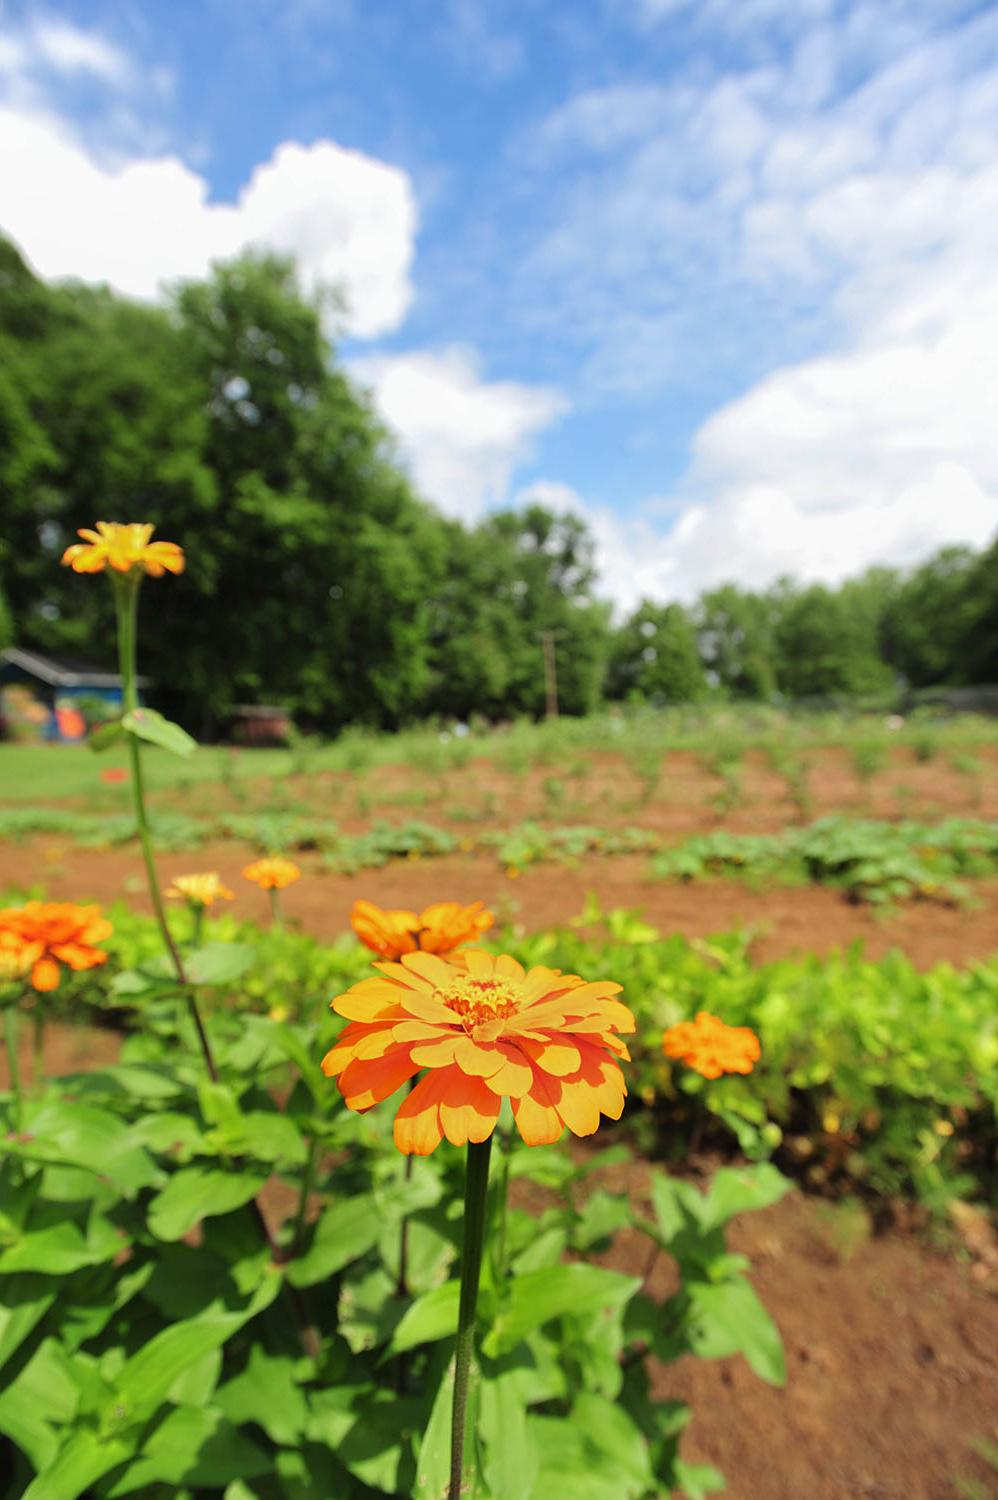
(276, 912)
(126, 599)
(38, 1044)
(475, 1195)
(10, 1018)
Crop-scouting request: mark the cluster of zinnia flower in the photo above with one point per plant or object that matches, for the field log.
(39, 936)
(483, 1028)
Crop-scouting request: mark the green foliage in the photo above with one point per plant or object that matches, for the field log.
(150, 1340)
(881, 863)
(656, 658)
(873, 1076)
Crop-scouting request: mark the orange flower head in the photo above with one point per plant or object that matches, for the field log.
(485, 1031)
(123, 547)
(41, 935)
(711, 1047)
(199, 890)
(438, 929)
(273, 874)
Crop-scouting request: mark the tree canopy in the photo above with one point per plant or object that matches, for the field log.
(317, 578)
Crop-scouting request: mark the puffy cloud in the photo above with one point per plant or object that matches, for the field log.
(462, 436)
(349, 220)
(138, 219)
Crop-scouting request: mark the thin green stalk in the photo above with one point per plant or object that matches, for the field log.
(38, 1044)
(126, 599)
(276, 910)
(475, 1196)
(10, 1017)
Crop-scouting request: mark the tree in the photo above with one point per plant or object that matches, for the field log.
(827, 641)
(656, 658)
(735, 635)
(930, 626)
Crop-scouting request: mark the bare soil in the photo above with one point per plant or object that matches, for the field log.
(786, 919)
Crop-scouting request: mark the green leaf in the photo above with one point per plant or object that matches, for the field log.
(433, 1467)
(61, 1247)
(84, 1458)
(729, 1319)
(698, 1480)
(735, 1190)
(105, 735)
(596, 1454)
(24, 1301)
(345, 1231)
(432, 1316)
(42, 1398)
(196, 1193)
(539, 1296)
(677, 1205)
(69, 1131)
(219, 963)
(147, 724)
(266, 1392)
(147, 1377)
(511, 1460)
(192, 1447)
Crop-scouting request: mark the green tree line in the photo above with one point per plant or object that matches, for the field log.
(317, 578)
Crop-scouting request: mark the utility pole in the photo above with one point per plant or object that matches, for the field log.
(547, 638)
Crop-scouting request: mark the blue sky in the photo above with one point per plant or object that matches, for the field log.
(720, 275)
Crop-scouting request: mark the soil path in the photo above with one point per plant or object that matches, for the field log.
(788, 920)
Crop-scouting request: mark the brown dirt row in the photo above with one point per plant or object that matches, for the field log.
(787, 920)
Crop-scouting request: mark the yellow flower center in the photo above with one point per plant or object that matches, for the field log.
(479, 1000)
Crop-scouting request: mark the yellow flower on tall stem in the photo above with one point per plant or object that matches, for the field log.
(273, 874)
(123, 547)
(201, 890)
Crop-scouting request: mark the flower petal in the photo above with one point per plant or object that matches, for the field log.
(476, 1060)
(559, 1056)
(417, 1127)
(469, 1110)
(536, 1118)
(368, 1082)
(515, 1077)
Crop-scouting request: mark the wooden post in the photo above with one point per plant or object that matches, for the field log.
(550, 673)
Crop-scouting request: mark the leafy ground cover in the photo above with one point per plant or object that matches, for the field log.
(874, 1078)
(872, 861)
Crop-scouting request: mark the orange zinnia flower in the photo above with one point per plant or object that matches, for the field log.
(711, 1047)
(41, 935)
(273, 874)
(199, 890)
(439, 929)
(123, 547)
(486, 1031)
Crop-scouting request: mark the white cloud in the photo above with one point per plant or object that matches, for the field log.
(350, 220)
(463, 436)
(840, 195)
(49, 45)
